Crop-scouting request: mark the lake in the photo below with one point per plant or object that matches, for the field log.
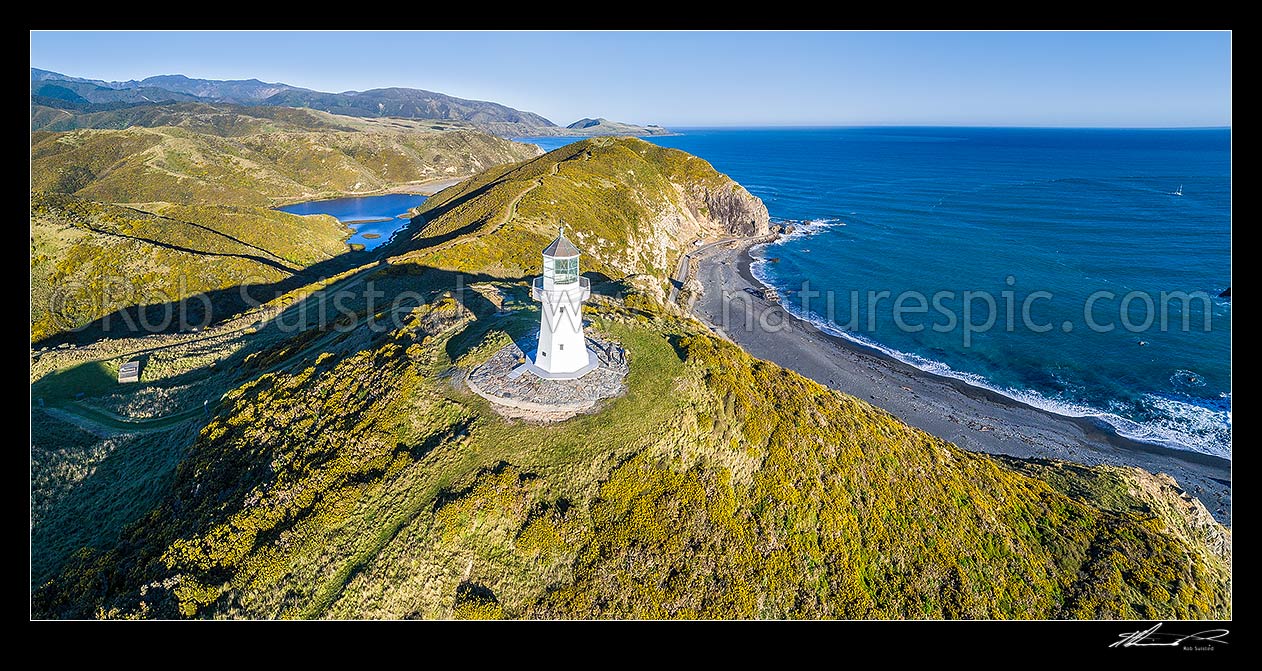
(368, 215)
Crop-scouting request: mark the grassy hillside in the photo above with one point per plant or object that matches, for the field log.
(198, 183)
(221, 119)
(90, 259)
(140, 165)
(355, 481)
(286, 466)
(215, 119)
(632, 208)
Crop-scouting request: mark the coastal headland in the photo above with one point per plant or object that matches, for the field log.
(974, 418)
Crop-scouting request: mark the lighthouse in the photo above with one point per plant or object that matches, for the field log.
(562, 353)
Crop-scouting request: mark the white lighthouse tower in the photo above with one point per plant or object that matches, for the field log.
(562, 353)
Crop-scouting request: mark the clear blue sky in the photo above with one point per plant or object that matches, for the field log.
(716, 78)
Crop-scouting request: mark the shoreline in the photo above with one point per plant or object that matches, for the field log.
(974, 418)
(426, 187)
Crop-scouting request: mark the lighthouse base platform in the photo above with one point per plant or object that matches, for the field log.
(593, 361)
(518, 389)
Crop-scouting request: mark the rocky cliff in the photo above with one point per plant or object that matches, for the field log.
(741, 212)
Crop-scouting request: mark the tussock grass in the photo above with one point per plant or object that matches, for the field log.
(263, 168)
(631, 207)
(364, 484)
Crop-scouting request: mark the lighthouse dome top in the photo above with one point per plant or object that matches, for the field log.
(561, 248)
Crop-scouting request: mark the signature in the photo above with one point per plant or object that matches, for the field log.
(1154, 638)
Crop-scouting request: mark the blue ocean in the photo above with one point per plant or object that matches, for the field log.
(1099, 254)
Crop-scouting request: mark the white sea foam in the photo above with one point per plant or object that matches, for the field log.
(801, 229)
(805, 229)
(1185, 425)
(1178, 424)
(1186, 378)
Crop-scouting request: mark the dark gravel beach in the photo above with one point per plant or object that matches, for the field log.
(974, 418)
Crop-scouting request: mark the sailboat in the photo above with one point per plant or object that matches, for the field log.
(1179, 192)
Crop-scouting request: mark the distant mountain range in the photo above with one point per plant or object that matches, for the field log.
(57, 91)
